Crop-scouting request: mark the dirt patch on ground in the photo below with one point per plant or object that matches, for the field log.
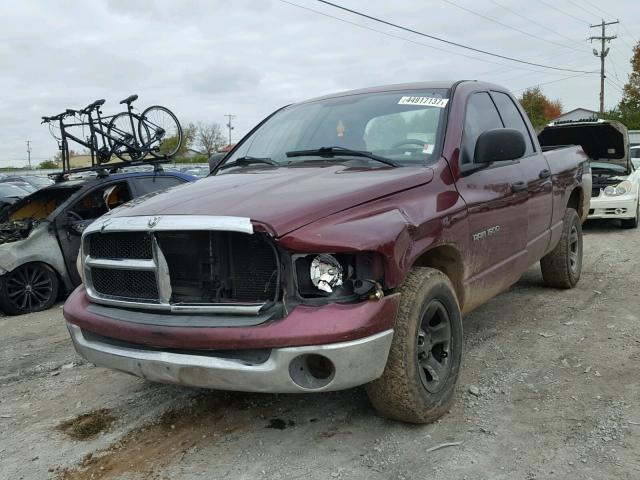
(88, 425)
(147, 450)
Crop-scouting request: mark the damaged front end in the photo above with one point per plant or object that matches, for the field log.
(15, 230)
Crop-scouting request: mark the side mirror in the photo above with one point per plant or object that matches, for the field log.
(214, 160)
(499, 145)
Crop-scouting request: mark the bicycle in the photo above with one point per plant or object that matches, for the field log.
(158, 133)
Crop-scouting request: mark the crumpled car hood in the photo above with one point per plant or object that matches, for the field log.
(283, 198)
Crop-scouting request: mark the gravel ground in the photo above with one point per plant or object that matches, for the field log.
(550, 388)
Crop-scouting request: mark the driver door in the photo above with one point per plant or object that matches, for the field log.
(71, 223)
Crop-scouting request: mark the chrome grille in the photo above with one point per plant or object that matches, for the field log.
(202, 270)
(132, 284)
(120, 245)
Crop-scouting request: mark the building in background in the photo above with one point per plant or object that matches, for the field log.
(576, 114)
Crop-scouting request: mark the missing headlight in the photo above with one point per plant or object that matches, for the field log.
(338, 275)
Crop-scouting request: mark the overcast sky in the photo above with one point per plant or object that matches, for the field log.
(204, 59)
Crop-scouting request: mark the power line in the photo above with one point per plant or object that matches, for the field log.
(611, 80)
(552, 81)
(633, 37)
(541, 25)
(567, 14)
(582, 7)
(607, 14)
(415, 42)
(614, 85)
(449, 42)
(498, 22)
(596, 7)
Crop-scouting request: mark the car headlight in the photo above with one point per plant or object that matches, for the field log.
(620, 189)
(79, 265)
(326, 273)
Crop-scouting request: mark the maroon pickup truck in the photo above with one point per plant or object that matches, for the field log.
(338, 244)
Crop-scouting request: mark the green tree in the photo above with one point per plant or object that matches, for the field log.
(48, 165)
(188, 136)
(539, 108)
(628, 110)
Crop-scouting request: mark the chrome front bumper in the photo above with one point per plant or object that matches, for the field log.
(354, 363)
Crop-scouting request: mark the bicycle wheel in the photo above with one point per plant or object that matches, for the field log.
(160, 132)
(124, 142)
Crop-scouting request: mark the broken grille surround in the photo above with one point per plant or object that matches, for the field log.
(158, 264)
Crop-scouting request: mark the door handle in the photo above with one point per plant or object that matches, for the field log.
(546, 173)
(518, 187)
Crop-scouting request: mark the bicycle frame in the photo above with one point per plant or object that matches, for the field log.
(96, 128)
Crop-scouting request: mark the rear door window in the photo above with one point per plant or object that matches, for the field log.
(144, 185)
(512, 118)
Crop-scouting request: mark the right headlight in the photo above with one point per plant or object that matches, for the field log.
(79, 265)
(326, 273)
(620, 189)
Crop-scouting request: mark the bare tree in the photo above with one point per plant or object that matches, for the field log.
(209, 138)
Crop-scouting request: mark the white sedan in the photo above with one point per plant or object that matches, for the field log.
(619, 198)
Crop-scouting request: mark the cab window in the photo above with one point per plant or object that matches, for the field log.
(481, 115)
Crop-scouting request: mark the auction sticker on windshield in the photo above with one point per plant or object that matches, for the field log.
(426, 101)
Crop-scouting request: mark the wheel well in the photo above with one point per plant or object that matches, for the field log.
(448, 260)
(576, 201)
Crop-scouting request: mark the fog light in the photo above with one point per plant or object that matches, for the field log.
(312, 371)
(326, 273)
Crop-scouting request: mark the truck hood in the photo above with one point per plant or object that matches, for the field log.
(602, 141)
(283, 198)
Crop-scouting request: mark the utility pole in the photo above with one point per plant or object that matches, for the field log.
(29, 153)
(229, 118)
(602, 54)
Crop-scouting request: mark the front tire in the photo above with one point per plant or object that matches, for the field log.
(561, 268)
(422, 369)
(160, 132)
(31, 287)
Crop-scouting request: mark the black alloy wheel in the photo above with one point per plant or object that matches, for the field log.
(574, 250)
(434, 343)
(31, 287)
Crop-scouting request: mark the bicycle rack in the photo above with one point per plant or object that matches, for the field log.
(91, 143)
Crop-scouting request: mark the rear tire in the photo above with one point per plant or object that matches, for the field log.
(419, 379)
(561, 268)
(631, 222)
(120, 128)
(31, 287)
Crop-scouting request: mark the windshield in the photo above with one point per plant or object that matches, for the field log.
(39, 204)
(608, 166)
(8, 190)
(402, 126)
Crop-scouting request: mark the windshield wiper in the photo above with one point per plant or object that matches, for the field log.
(337, 151)
(248, 160)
